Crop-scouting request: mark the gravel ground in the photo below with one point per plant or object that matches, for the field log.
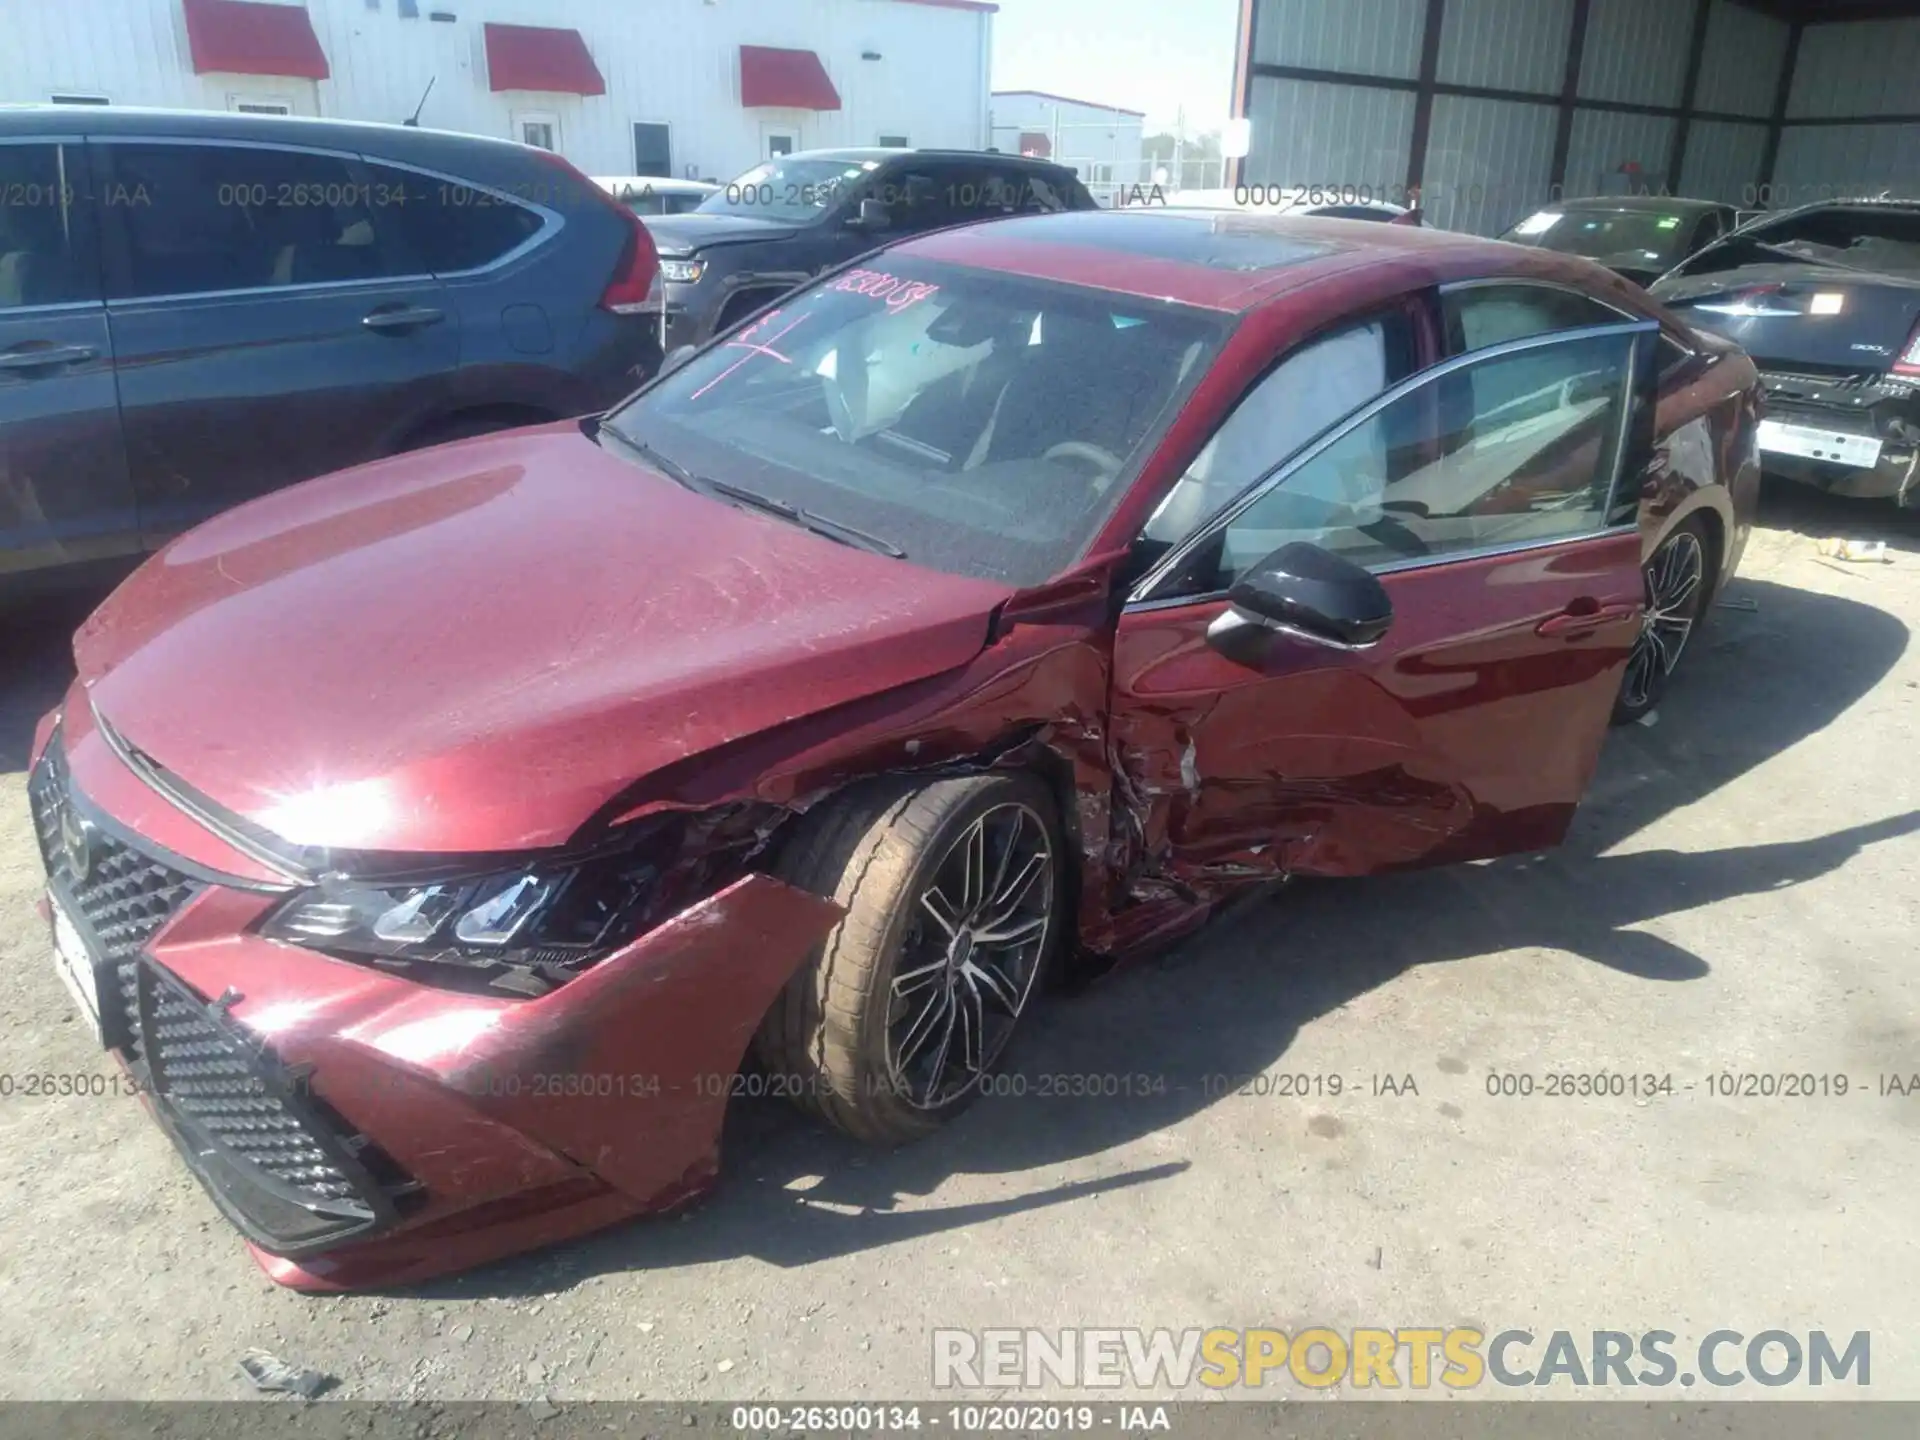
(1738, 896)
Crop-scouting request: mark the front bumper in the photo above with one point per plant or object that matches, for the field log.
(361, 1128)
(1881, 408)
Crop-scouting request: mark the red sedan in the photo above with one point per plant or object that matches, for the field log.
(434, 843)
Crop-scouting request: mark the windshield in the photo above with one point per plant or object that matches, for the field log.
(1646, 235)
(981, 423)
(794, 190)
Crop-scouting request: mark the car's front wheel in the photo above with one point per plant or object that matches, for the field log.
(1678, 587)
(953, 892)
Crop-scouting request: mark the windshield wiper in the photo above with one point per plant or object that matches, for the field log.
(792, 514)
(806, 519)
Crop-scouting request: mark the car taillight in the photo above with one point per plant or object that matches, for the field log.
(635, 284)
(1908, 362)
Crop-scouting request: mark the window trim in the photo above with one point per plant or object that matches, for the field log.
(1141, 597)
(552, 222)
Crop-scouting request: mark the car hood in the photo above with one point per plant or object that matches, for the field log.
(474, 648)
(686, 234)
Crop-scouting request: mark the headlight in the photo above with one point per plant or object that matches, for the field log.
(683, 272)
(526, 930)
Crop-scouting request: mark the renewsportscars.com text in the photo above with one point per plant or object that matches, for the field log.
(1364, 1358)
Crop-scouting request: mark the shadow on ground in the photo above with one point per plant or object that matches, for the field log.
(1815, 514)
(1760, 681)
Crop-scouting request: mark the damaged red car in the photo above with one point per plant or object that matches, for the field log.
(434, 842)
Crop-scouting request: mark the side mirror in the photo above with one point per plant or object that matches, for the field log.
(1303, 588)
(872, 215)
(677, 357)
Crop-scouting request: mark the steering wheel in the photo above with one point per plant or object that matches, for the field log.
(1105, 462)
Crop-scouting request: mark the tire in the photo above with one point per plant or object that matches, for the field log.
(1670, 620)
(896, 858)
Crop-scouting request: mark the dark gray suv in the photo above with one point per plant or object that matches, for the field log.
(199, 308)
(785, 221)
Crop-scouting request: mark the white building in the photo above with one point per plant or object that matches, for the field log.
(686, 88)
(1105, 143)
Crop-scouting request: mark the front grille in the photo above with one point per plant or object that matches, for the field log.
(222, 1083)
(123, 895)
(275, 1158)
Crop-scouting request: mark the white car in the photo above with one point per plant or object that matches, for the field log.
(652, 195)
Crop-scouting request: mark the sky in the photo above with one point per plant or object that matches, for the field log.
(1151, 55)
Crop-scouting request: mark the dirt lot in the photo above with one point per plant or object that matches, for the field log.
(1738, 896)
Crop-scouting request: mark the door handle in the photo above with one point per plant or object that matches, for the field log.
(405, 318)
(53, 355)
(1585, 615)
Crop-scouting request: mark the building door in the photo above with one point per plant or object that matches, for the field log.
(653, 150)
(778, 140)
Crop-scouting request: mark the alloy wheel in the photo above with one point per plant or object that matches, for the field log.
(969, 956)
(1674, 576)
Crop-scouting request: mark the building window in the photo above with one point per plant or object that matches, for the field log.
(653, 150)
(68, 98)
(242, 106)
(539, 130)
(895, 142)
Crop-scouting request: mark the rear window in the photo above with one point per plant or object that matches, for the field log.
(449, 226)
(1885, 241)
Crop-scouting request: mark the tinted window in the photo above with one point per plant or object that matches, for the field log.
(45, 254)
(198, 218)
(451, 227)
(984, 424)
(1321, 383)
(1515, 448)
(1484, 315)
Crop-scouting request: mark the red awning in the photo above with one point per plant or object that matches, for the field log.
(534, 57)
(788, 79)
(238, 37)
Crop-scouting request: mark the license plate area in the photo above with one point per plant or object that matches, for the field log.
(73, 959)
(1862, 452)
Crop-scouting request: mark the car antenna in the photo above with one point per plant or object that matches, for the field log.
(413, 121)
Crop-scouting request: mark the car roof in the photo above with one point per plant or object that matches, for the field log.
(863, 154)
(392, 139)
(1657, 204)
(1228, 260)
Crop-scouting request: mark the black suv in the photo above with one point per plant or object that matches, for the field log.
(199, 308)
(787, 220)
